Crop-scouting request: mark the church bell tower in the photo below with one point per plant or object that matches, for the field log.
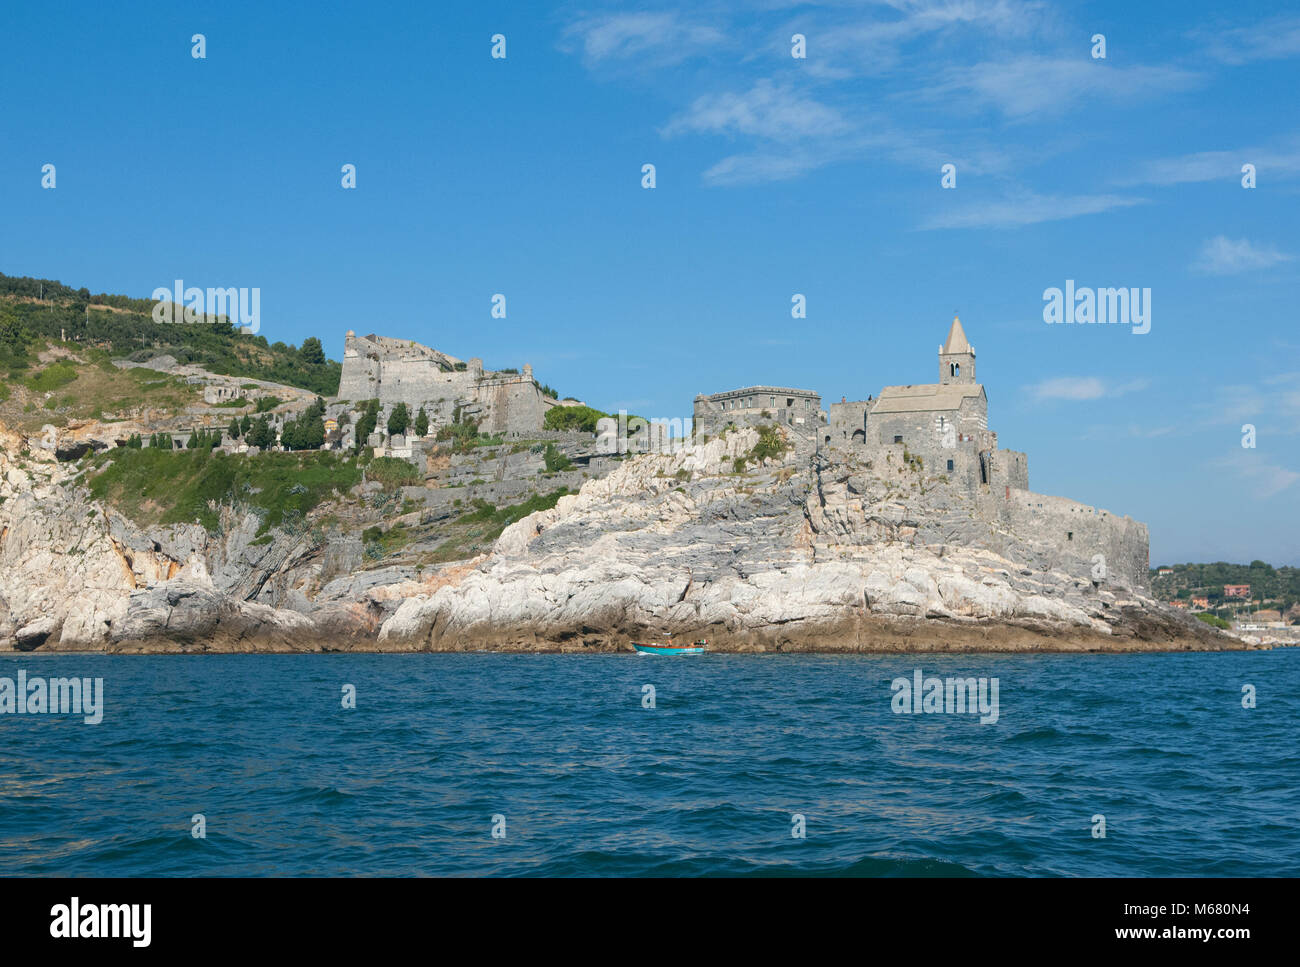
(956, 357)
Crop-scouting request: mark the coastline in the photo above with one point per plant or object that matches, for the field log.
(793, 555)
(865, 637)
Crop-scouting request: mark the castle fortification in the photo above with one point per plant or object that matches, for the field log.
(403, 371)
(942, 428)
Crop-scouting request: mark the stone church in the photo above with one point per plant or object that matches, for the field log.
(945, 423)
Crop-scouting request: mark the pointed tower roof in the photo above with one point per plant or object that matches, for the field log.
(957, 342)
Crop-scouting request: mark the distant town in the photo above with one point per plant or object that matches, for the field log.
(1254, 601)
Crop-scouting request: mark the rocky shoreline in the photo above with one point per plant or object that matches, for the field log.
(793, 553)
(907, 637)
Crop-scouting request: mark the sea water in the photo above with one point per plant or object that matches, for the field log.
(569, 765)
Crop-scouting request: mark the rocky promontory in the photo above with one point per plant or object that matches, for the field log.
(801, 550)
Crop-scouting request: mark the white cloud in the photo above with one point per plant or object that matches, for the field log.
(1285, 399)
(1262, 478)
(1083, 388)
(1271, 40)
(1028, 209)
(658, 38)
(766, 110)
(1270, 163)
(905, 49)
(842, 46)
(793, 133)
(1034, 85)
(1224, 256)
(1273, 404)
(761, 168)
(871, 140)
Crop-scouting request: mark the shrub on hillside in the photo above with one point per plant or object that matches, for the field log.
(572, 418)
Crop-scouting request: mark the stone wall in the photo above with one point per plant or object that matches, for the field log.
(402, 371)
(1076, 537)
(923, 430)
(1008, 468)
(847, 423)
(755, 405)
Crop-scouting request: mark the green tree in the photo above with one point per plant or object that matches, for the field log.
(259, 434)
(579, 418)
(305, 433)
(234, 428)
(312, 353)
(366, 424)
(422, 423)
(555, 460)
(12, 333)
(398, 420)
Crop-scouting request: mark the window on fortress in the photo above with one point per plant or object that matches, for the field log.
(949, 464)
(1069, 535)
(898, 438)
(771, 401)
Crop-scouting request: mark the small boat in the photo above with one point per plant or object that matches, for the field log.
(666, 646)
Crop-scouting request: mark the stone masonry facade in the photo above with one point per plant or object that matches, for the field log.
(799, 409)
(943, 429)
(403, 371)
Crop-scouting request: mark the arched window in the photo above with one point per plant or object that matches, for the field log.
(954, 369)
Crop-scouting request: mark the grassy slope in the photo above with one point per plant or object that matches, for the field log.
(162, 487)
(84, 384)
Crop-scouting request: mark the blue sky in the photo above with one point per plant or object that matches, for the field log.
(775, 176)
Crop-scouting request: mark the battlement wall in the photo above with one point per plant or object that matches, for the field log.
(1077, 538)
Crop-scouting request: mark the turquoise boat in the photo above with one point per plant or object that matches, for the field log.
(667, 647)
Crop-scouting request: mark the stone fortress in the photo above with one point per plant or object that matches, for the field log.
(800, 408)
(942, 429)
(450, 390)
(939, 429)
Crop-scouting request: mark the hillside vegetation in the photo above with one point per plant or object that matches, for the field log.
(1281, 584)
(76, 382)
(164, 486)
(34, 312)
